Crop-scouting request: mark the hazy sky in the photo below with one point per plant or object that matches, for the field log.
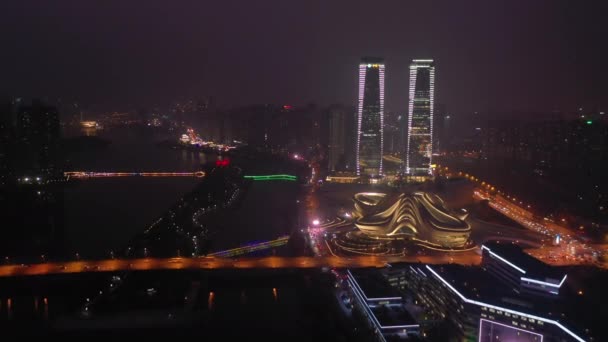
(512, 54)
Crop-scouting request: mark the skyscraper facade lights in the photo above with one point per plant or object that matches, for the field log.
(370, 117)
(419, 147)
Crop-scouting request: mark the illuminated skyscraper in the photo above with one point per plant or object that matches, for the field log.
(420, 118)
(370, 116)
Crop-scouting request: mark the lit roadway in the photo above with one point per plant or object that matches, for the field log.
(274, 262)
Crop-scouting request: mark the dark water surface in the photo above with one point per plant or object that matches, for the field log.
(103, 214)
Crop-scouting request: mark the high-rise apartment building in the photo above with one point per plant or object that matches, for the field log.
(370, 117)
(7, 141)
(38, 133)
(336, 146)
(419, 148)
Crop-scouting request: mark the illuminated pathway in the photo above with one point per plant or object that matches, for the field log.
(253, 247)
(86, 174)
(272, 177)
(113, 265)
(199, 174)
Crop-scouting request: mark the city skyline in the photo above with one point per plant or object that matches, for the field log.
(252, 170)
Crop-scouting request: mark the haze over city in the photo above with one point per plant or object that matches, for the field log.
(304, 171)
(499, 55)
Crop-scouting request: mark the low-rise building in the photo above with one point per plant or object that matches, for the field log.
(480, 307)
(381, 304)
(521, 271)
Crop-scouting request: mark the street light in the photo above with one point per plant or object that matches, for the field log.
(316, 222)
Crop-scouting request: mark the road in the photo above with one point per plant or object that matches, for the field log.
(570, 251)
(274, 262)
(483, 231)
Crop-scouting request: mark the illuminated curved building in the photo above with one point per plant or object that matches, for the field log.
(421, 216)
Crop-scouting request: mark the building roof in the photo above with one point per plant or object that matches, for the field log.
(374, 286)
(532, 267)
(393, 316)
(382, 300)
(476, 286)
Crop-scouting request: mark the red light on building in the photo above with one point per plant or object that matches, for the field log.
(287, 107)
(222, 162)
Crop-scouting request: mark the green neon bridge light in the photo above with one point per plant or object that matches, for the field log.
(272, 177)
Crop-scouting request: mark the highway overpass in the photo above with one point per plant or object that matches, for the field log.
(272, 262)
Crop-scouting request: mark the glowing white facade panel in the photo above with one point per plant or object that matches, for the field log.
(486, 332)
(419, 147)
(370, 117)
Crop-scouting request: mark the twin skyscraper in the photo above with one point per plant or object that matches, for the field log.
(370, 118)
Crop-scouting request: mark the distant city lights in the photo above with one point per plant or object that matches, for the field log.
(89, 124)
(193, 139)
(30, 180)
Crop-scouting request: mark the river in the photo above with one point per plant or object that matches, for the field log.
(103, 214)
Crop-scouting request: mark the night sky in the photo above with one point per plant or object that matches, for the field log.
(490, 55)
